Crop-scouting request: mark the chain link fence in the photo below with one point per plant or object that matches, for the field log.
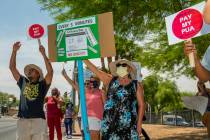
(187, 118)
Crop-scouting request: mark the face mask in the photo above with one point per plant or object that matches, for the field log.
(94, 84)
(122, 71)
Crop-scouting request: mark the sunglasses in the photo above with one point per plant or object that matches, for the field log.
(87, 83)
(121, 65)
(93, 81)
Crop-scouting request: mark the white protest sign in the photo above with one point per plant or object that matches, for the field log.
(138, 68)
(198, 103)
(186, 24)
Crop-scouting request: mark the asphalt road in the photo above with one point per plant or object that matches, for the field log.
(7, 129)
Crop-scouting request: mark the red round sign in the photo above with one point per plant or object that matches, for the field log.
(36, 31)
(187, 23)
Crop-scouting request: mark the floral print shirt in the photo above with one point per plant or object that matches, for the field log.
(120, 112)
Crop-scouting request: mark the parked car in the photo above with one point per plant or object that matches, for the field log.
(172, 119)
(199, 124)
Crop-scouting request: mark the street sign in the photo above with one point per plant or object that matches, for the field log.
(186, 24)
(82, 38)
(36, 31)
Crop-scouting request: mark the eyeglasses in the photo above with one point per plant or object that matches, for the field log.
(121, 65)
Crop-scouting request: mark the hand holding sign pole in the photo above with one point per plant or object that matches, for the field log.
(36, 31)
(187, 24)
(191, 55)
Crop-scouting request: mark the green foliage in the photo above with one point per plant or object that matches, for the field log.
(136, 23)
(66, 100)
(167, 96)
(8, 99)
(162, 94)
(150, 89)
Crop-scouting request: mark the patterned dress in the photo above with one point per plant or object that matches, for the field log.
(120, 112)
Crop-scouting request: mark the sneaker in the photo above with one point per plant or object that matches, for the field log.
(69, 137)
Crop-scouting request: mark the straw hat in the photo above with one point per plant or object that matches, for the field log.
(113, 67)
(32, 66)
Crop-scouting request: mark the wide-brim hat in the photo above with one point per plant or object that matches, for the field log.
(113, 67)
(32, 66)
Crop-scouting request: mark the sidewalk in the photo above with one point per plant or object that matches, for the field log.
(76, 134)
(73, 138)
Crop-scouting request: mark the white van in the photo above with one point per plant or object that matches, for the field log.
(171, 120)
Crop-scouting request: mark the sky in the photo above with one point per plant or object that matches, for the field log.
(16, 17)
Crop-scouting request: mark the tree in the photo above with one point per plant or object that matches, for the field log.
(139, 22)
(168, 97)
(8, 99)
(150, 89)
(162, 94)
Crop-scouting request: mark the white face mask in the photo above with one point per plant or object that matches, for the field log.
(122, 71)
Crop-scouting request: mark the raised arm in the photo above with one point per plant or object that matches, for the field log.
(206, 13)
(104, 77)
(49, 75)
(59, 100)
(12, 63)
(104, 97)
(200, 71)
(140, 99)
(68, 79)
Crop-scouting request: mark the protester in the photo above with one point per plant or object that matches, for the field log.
(54, 113)
(31, 124)
(203, 91)
(68, 119)
(202, 69)
(206, 13)
(124, 107)
(94, 100)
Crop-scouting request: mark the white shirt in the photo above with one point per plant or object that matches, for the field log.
(206, 59)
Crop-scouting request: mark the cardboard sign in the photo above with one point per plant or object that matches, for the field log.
(83, 38)
(36, 31)
(186, 24)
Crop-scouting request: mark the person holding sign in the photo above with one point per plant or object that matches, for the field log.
(202, 69)
(31, 124)
(95, 101)
(203, 91)
(124, 106)
(206, 13)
